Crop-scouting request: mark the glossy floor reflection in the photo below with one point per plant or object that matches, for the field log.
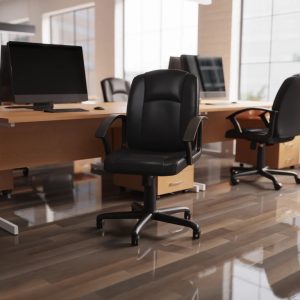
(249, 248)
(53, 194)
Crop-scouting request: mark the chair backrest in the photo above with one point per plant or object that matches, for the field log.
(161, 103)
(115, 89)
(287, 103)
(189, 63)
(175, 63)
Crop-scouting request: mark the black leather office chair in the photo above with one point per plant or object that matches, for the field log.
(175, 63)
(161, 136)
(115, 89)
(282, 126)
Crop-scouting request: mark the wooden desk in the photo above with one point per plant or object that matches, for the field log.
(32, 138)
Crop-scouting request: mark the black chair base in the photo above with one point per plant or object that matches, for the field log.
(262, 170)
(265, 172)
(158, 215)
(145, 213)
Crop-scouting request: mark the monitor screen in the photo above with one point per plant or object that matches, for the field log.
(43, 73)
(212, 76)
(5, 81)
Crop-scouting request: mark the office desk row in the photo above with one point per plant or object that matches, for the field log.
(32, 138)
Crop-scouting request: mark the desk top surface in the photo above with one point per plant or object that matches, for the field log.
(9, 116)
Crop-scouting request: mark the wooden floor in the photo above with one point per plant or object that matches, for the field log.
(249, 248)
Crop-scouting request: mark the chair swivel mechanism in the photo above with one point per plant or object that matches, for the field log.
(161, 135)
(281, 124)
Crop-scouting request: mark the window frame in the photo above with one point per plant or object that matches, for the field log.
(48, 37)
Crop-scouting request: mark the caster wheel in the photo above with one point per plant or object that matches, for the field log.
(196, 234)
(297, 179)
(133, 207)
(277, 186)
(135, 240)
(99, 223)
(234, 181)
(187, 215)
(7, 193)
(233, 171)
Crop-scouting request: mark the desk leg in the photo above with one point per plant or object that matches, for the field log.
(6, 184)
(6, 180)
(199, 187)
(9, 227)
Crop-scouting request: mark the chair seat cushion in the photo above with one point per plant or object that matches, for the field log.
(259, 135)
(128, 161)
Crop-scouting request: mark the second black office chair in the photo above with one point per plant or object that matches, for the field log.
(161, 136)
(282, 126)
(115, 89)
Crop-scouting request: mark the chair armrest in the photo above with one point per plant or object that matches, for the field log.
(102, 131)
(249, 109)
(264, 118)
(193, 138)
(237, 125)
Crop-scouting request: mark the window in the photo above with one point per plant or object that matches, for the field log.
(155, 30)
(270, 46)
(77, 27)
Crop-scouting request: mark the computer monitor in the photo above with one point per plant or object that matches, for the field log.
(44, 74)
(5, 81)
(211, 76)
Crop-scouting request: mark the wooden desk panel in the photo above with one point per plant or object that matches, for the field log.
(215, 126)
(32, 144)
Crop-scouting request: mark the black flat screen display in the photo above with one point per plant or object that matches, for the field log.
(211, 73)
(47, 73)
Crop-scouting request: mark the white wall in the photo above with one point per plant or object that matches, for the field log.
(11, 10)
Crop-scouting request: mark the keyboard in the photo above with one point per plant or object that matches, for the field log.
(19, 106)
(220, 103)
(58, 110)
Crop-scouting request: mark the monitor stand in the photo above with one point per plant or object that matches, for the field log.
(42, 106)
